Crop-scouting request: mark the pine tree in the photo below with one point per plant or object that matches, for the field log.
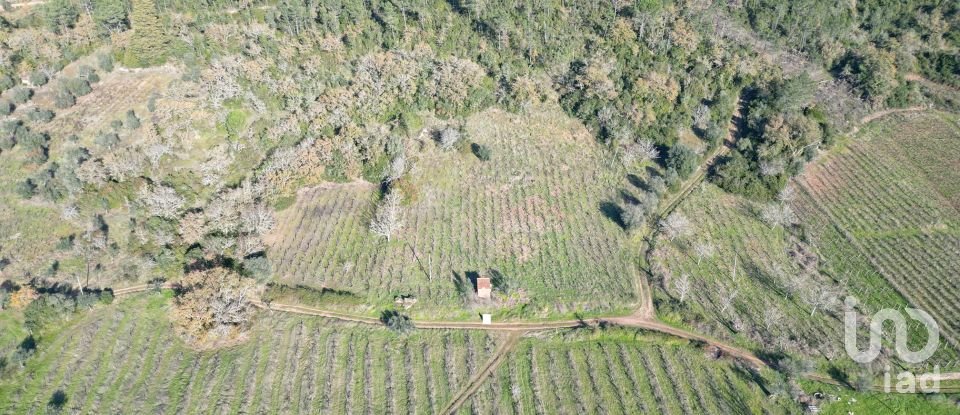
(148, 46)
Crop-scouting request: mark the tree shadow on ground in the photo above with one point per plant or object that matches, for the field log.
(57, 401)
(628, 197)
(613, 212)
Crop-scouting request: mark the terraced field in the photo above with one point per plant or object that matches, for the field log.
(533, 212)
(625, 375)
(123, 359)
(893, 195)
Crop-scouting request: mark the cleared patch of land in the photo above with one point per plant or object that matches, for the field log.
(121, 359)
(533, 212)
(893, 195)
(117, 92)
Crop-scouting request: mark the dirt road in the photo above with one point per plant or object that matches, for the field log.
(477, 381)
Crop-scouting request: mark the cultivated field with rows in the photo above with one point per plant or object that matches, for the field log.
(892, 194)
(747, 287)
(618, 372)
(532, 212)
(122, 359)
(763, 285)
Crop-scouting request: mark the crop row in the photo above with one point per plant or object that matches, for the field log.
(532, 212)
(122, 360)
(617, 377)
(871, 194)
(749, 259)
(897, 208)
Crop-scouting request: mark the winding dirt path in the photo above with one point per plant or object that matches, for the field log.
(883, 113)
(27, 3)
(644, 318)
(525, 327)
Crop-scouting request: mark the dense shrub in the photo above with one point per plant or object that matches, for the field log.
(32, 140)
(21, 94)
(6, 107)
(6, 82)
(396, 321)
(76, 86)
(26, 189)
(40, 115)
(257, 267)
(941, 67)
(131, 121)
(481, 151)
(872, 72)
(107, 139)
(149, 42)
(64, 98)
(682, 159)
(7, 142)
(59, 15)
(54, 306)
(87, 73)
(105, 62)
(38, 78)
(38, 155)
(780, 127)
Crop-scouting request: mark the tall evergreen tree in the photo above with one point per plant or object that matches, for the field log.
(60, 15)
(148, 46)
(111, 15)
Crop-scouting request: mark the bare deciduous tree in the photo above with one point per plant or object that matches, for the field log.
(93, 172)
(212, 170)
(787, 194)
(257, 219)
(215, 306)
(819, 296)
(386, 220)
(398, 166)
(161, 201)
(676, 226)
(449, 137)
(703, 250)
(771, 168)
(123, 164)
(772, 318)
(778, 214)
(727, 296)
(193, 227)
(70, 212)
(641, 151)
(682, 286)
(701, 116)
(155, 152)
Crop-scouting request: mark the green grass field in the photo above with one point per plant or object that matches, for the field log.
(532, 212)
(892, 196)
(124, 358)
